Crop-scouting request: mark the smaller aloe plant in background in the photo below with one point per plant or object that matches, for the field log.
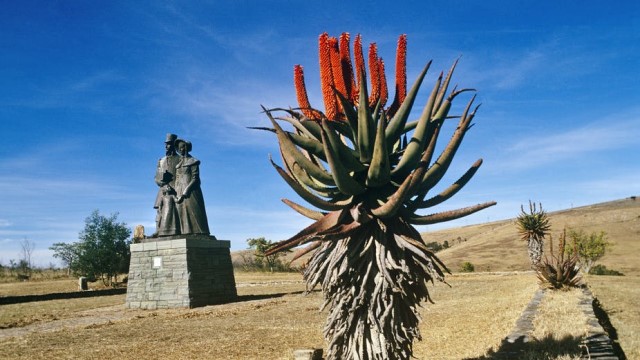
(533, 227)
(561, 270)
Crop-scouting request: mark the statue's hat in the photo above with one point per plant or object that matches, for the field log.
(171, 138)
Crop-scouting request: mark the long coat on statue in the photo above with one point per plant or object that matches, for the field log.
(193, 217)
(167, 221)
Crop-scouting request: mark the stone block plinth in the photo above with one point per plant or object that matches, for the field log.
(180, 272)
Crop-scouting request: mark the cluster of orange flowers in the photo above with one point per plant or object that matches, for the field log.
(337, 75)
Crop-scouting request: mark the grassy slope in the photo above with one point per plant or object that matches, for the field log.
(496, 246)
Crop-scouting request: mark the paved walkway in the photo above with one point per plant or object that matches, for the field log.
(597, 344)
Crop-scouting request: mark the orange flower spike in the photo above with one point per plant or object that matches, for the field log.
(360, 69)
(375, 74)
(336, 66)
(401, 69)
(336, 70)
(401, 75)
(347, 67)
(301, 91)
(326, 77)
(384, 93)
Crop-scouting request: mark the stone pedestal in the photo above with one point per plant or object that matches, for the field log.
(180, 272)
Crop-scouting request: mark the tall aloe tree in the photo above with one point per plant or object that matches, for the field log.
(533, 227)
(368, 170)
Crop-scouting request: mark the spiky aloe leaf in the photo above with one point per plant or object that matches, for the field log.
(365, 124)
(413, 150)
(380, 169)
(451, 190)
(396, 125)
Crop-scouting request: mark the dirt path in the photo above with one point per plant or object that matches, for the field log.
(84, 318)
(108, 314)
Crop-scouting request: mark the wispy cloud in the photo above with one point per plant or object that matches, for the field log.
(611, 133)
(96, 80)
(555, 60)
(75, 92)
(615, 185)
(225, 109)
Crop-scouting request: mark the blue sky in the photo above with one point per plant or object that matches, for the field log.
(89, 90)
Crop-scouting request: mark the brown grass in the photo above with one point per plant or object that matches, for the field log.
(468, 320)
(272, 328)
(619, 296)
(473, 316)
(558, 328)
(17, 315)
(38, 287)
(559, 316)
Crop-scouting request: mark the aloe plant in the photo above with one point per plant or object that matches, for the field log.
(561, 270)
(367, 171)
(533, 227)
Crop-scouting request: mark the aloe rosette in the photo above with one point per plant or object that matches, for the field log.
(367, 170)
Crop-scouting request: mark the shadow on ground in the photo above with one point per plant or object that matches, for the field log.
(546, 348)
(243, 298)
(7, 300)
(605, 322)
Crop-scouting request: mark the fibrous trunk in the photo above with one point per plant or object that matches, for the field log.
(535, 248)
(373, 282)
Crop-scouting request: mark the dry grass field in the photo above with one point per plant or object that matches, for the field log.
(272, 318)
(271, 328)
(619, 296)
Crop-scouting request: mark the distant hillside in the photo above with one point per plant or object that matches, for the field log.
(496, 246)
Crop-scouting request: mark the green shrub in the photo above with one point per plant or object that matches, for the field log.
(467, 267)
(602, 270)
(589, 247)
(434, 246)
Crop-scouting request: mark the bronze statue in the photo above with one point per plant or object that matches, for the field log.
(191, 210)
(167, 221)
(179, 202)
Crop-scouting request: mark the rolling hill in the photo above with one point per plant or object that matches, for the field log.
(496, 246)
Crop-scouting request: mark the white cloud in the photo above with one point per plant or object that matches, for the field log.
(617, 186)
(615, 132)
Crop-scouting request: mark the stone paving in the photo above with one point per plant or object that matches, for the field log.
(597, 344)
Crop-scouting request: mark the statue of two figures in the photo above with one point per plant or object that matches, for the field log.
(179, 202)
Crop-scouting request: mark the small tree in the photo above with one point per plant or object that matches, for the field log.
(467, 267)
(263, 261)
(590, 248)
(67, 253)
(103, 249)
(26, 250)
